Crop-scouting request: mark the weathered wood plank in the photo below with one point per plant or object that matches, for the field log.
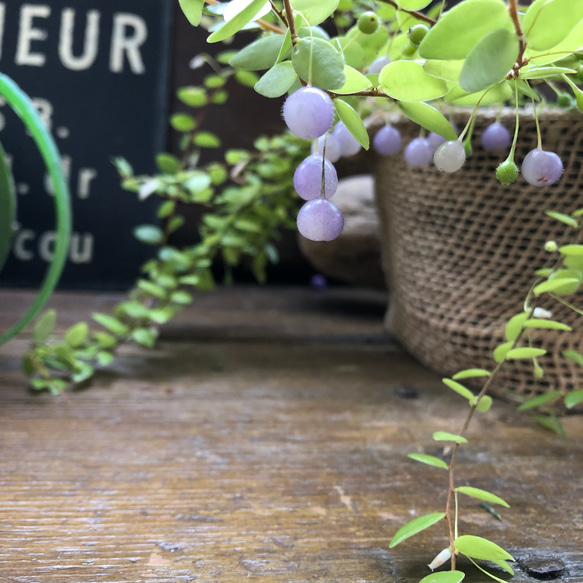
(277, 461)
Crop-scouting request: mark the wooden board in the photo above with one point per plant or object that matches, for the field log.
(249, 458)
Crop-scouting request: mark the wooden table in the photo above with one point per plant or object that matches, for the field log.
(265, 438)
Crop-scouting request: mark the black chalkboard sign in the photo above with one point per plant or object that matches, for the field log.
(97, 71)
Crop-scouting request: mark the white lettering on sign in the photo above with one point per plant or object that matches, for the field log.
(28, 33)
(129, 33)
(80, 249)
(91, 42)
(45, 110)
(2, 20)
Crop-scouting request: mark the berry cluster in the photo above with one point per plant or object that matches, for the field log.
(309, 114)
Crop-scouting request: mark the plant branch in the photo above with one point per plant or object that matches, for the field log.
(414, 13)
(290, 21)
(513, 9)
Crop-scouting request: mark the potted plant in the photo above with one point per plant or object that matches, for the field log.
(387, 61)
(432, 83)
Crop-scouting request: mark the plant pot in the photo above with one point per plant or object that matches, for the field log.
(460, 251)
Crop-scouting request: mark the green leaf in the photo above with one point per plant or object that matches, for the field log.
(206, 140)
(445, 436)
(497, 94)
(571, 250)
(168, 164)
(573, 356)
(447, 70)
(182, 122)
(429, 118)
(525, 352)
(259, 55)
(444, 577)
(542, 72)
(7, 208)
(277, 81)
(134, 309)
(408, 81)
(105, 358)
(246, 78)
(572, 43)
(84, 372)
(514, 326)
(547, 22)
(415, 526)
(163, 315)
(554, 285)
(413, 4)
(192, 9)
(546, 325)
(77, 334)
(459, 389)
(145, 336)
(477, 547)
(313, 11)
(319, 62)
(551, 423)
(44, 327)
(501, 351)
(192, 96)
(563, 218)
(573, 399)
(459, 29)
(540, 400)
(181, 297)
(112, 324)
(489, 60)
(197, 182)
(355, 81)
(152, 289)
(237, 22)
(484, 404)
(149, 234)
(353, 122)
(481, 495)
(430, 460)
(471, 373)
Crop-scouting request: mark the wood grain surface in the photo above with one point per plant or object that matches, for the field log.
(247, 457)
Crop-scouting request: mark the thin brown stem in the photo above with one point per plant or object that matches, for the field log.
(414, 13)
(289, 11)
(513, 9)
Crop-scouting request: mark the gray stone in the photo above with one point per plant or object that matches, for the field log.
(355, 256)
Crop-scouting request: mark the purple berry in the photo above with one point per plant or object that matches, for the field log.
(320, 220)
(308, 178)
(418, 153)
(541, 168)
(496, 137)
(308, 113)
(318, 282)
(349, 146)
(387, 141)
(450, 156)
(377, 65)
(435, 140)
(333, 152)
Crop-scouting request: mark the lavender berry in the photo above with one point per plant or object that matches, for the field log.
(320, 220)
(308, 178)
(418, 153)
(387, 141)
(496, 137)
(450, 156)
(349, 146)
(308, 113)
(541, 168)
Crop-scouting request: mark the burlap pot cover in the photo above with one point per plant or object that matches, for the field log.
(460, 251)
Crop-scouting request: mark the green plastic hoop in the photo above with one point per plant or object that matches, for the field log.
(24, 108)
